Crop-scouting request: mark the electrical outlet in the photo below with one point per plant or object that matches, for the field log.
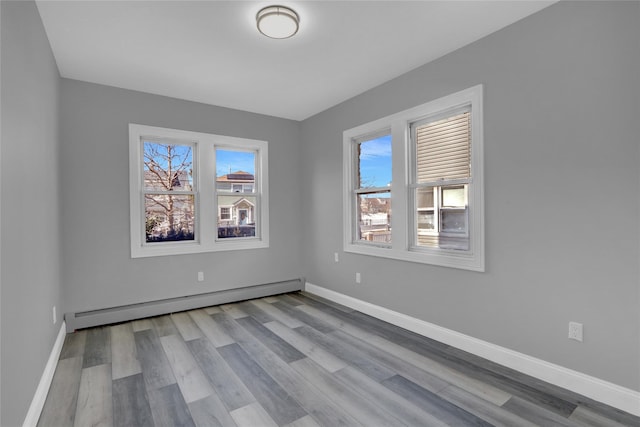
(55, 318)
(358, 278)
(200, 276)
(575, 331)
(335, 257)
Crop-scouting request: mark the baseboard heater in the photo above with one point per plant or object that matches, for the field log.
(124, 313)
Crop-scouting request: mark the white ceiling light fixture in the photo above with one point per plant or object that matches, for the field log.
(278, 22)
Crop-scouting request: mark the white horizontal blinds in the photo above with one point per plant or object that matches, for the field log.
(443, 148)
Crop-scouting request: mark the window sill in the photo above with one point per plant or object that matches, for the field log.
(464, 260)
(195, 248)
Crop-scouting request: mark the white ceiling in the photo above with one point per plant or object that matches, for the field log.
(211, 52)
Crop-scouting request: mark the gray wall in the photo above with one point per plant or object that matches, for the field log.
(30, 274)
(98, 271)
(561, 107)
(562, 196)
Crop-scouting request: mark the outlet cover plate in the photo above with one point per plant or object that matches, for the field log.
(575, 331)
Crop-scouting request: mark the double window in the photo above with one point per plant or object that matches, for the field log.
(194, 192)
(433, 154)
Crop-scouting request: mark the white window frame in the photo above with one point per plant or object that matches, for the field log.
(204, 181)
(404, 216)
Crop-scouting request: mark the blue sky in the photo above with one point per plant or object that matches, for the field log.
(375, 162)
(226, 160)
(160, 153)
(233, 161)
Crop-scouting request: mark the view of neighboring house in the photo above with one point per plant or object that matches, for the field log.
(170, 215)
(237, 210)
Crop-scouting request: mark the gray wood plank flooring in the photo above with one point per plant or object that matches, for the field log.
(294, 360)
(63, 394)
(130, 402)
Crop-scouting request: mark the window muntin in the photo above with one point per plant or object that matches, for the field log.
(437, 197)
(373, 188)
(176, 200)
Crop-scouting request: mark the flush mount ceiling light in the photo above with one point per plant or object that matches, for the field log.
(277, 22)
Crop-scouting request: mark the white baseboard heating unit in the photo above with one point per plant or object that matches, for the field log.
(125, 313)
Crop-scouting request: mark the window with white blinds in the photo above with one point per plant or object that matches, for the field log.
(442, 147)
(436, 189)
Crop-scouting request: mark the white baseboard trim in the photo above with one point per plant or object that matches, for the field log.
(603, 391)
(35, 409)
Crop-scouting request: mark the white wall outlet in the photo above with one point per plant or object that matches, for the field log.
(55, 317)
(575, 331)
(358, 278)
(335, 257)
(200, 276)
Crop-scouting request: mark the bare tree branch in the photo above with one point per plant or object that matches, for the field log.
(156, 202)
(165, 166)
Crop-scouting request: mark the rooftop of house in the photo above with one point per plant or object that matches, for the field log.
(238, 176)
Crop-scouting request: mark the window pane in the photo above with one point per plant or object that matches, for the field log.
(169, 218)
(441, 226)
(454, 196)
(425, 197)
(374, 217)
(237, 216)
(426, 221)
(454, 220)
(374, 162)
(168, 167)
(425, 209)
(235, 170)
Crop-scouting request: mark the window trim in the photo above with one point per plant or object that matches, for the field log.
(403, 219)
(204, 184)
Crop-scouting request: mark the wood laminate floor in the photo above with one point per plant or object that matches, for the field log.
(294, 360)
